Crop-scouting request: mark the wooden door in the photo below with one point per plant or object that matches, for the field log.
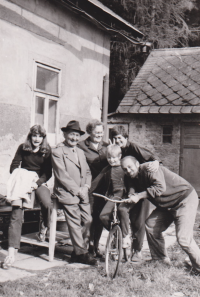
(190, 154)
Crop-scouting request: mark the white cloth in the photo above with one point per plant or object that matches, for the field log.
(19, 184)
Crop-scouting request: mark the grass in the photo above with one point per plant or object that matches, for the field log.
(148, 279)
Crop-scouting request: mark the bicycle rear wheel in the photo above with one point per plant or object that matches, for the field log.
(113, 253)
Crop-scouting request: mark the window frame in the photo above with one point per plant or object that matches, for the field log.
(52, 137)
(167, 134)
(50, 68)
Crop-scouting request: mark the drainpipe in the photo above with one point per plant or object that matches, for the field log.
(105, 105)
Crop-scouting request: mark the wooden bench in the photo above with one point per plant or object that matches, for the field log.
(54, 236)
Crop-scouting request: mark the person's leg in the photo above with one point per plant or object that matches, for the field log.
(73, 217)
(123, 214)
(184, 221)
(44, 197)
(96, 226)
(86, 220)
(138, 215)
(158, 221)
(14, 235)
(107, 214)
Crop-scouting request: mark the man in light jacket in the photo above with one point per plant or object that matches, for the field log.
(72, 182)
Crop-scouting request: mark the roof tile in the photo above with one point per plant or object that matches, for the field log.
(195, 101)
(197, 92)
(186, 109)
(164, 109)
(144, 109)
(154, 109)
(162, 101)
(196, 109)
(167, 92)
(151, 92)
(172, 97)
(142, 96)
(183, 92)
(146, 102)
(177, 87)
(188, 97)
(156, 97)
(134, 109)
(178, 102)
(175, 109)
(193, 87)
(181, 77)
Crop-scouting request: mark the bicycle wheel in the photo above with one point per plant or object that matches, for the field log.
(113, 253)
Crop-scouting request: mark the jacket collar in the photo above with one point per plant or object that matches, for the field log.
(68, 151)
(89, 144)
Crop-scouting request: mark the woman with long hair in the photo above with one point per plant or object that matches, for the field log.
(34, 155)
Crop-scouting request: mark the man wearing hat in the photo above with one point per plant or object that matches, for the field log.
(72, 182)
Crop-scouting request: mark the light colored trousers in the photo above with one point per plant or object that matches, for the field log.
(79, 219)
(183, 217)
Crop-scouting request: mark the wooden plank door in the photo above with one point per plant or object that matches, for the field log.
(190, 154)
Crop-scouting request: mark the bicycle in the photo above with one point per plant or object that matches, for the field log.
(114, 250)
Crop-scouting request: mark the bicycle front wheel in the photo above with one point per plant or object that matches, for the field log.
(113, 254)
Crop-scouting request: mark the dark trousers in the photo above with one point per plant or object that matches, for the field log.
(78, 219)
(96, 204)
(15, 227)
(138, 213)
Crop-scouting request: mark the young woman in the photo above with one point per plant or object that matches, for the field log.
(33, 155)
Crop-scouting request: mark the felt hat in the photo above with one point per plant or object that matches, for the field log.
(73, 125)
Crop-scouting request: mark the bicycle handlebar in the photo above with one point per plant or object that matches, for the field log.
(115, 201)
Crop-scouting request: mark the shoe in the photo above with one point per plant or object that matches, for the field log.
(165, 261)
(187, 262)
(137, 256)
(84, 259)
(92, 250)
(98, 254)
(41, 236)
(7, 263)
(126, 242)
(73, 257)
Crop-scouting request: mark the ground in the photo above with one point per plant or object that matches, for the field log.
(147, 279)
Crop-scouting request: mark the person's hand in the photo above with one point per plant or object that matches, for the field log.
(133, 199)
(83, 192)
(153, 166)
(111, 142)
(34, 186)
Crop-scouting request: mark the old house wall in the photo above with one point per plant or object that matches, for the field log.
(41, 31)
(146, 130)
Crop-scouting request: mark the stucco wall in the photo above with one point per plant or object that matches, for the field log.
(147, 129)
(40, 31)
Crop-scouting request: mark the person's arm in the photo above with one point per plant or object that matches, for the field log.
(98, 182)
(62, 175)
(157, 187)
(143, 155)
(17, 159)
(47, 170)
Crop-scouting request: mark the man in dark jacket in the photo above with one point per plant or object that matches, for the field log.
(175, 200)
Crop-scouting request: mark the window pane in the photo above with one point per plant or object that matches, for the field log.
(167, 139)
(39, 111)
(52, 116)
(167, 130)
(47, 80)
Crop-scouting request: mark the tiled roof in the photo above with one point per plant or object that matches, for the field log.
(168, 82)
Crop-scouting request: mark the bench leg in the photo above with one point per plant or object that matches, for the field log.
(52, 231)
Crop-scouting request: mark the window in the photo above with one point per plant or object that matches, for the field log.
(167, 134)
(46, 96)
